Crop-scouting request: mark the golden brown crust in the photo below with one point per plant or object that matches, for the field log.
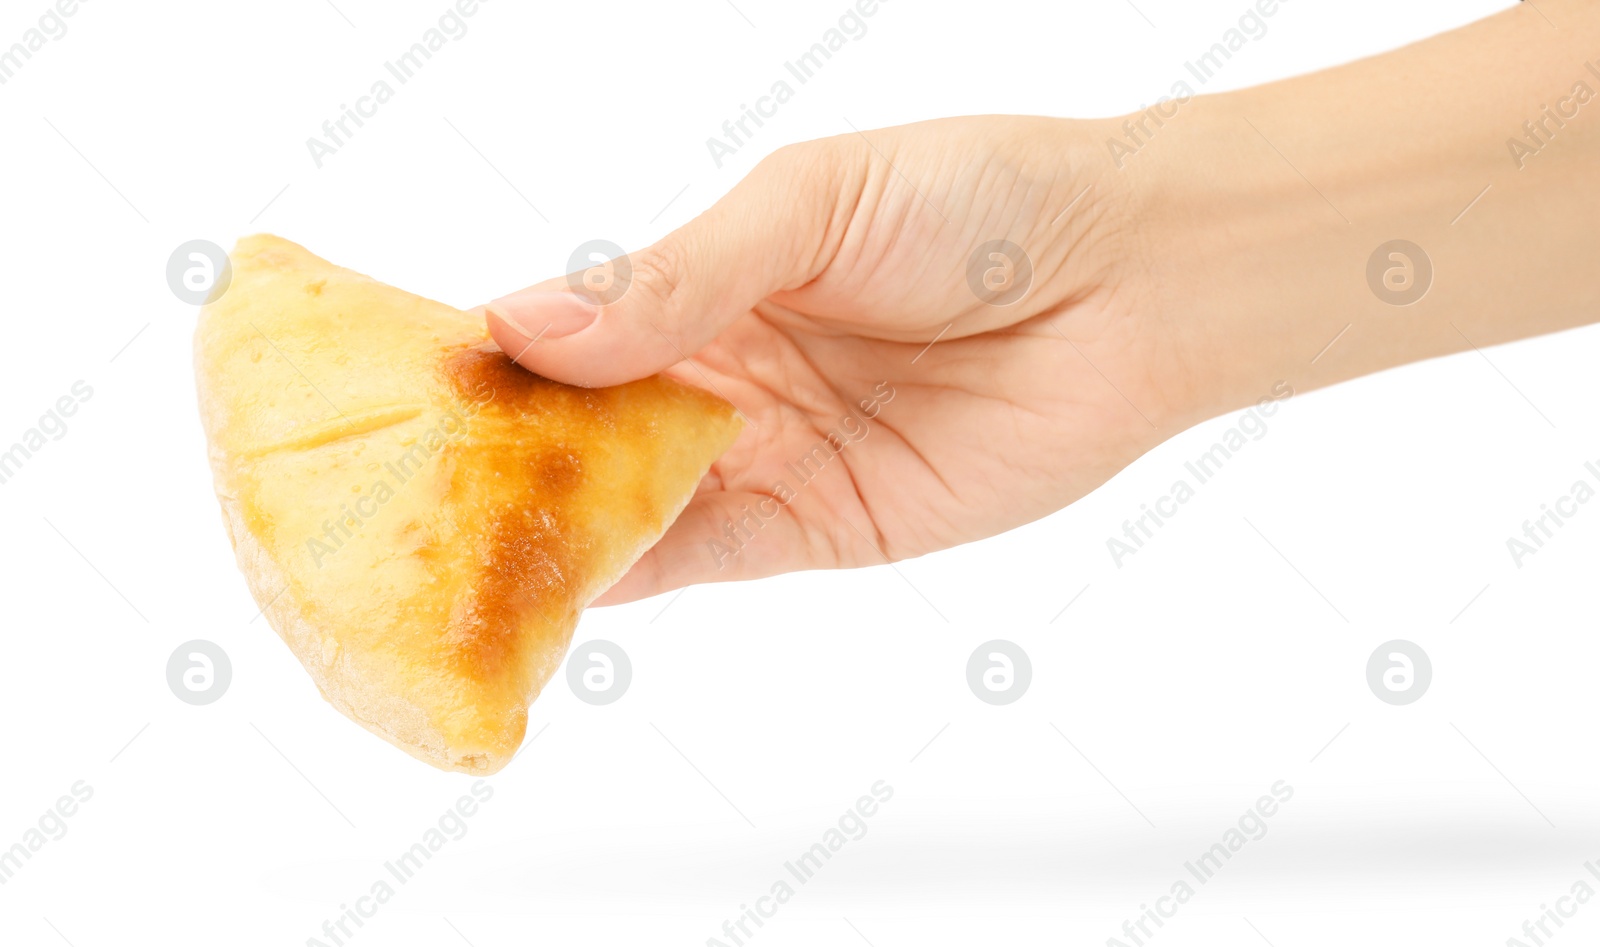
(421, 519)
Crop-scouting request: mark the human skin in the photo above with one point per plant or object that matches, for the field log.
(1216, 264)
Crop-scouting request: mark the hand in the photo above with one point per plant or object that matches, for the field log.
(1225, 260)
(891, 409)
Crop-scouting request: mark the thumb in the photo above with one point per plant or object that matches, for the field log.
(639, 313)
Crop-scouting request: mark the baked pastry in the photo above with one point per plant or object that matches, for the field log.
(421, 519)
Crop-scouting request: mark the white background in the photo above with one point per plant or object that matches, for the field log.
(1210, 666)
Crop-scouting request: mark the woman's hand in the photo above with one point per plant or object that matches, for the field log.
(929, 330)
(866, 301)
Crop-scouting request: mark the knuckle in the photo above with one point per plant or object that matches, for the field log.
(797, 160)
(658, 276)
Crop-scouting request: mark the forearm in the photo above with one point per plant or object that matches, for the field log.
(1259, 210)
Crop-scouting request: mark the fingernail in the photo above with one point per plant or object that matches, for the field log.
(542, 315)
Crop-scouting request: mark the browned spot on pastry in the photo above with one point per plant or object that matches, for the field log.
(527, 562)
(521, 571)
(516, 501)
(519, 499)
(482, 374)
